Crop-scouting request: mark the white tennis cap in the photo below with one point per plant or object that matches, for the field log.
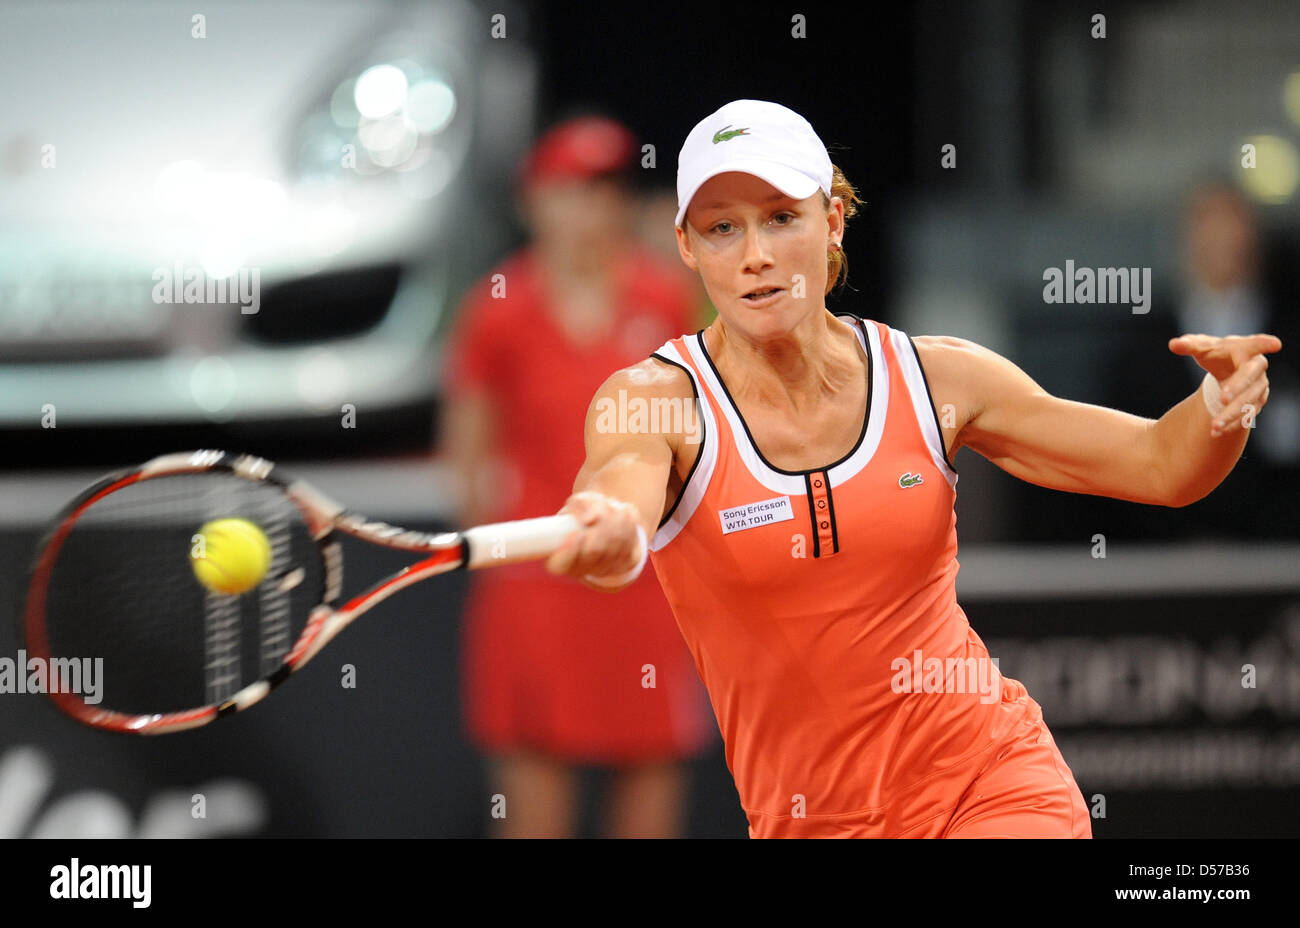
(755, 137)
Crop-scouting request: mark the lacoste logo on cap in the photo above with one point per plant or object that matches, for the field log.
(726, 132)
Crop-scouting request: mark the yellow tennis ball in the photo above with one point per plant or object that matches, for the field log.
(230, 555)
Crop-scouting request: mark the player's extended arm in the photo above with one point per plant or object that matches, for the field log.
(622, 483)
(1081, 448)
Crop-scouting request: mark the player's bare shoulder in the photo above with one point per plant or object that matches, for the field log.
(949, 364)
(649, 397)
(945, 360)
(944, 349)
(646, 403)
(657, 378)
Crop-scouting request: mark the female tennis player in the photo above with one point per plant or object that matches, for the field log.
(807, 540)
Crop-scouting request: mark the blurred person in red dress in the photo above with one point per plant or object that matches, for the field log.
(558, 676)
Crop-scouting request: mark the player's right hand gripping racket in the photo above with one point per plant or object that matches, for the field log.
(113, 580)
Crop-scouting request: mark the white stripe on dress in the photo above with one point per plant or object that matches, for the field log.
(909, 364)
(703, 471)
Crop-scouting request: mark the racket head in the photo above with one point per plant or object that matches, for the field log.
(119, 632)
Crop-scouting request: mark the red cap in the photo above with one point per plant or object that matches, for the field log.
(577, 149)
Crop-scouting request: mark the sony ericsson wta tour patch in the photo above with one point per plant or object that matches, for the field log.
(752, 515)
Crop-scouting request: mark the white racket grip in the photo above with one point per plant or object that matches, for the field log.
(521, 540)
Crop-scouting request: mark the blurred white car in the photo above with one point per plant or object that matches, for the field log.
(334, 158)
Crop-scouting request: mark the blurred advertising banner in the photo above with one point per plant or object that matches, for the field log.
(1169, 676)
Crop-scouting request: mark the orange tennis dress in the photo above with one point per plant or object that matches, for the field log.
(853, 696)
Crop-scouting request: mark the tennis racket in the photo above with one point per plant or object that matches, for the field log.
(112, 579)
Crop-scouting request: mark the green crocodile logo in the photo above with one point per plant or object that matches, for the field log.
(909, 480)
(726, 132)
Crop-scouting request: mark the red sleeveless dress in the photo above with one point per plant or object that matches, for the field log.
(550, 665)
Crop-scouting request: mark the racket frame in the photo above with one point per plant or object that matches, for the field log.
(481, 546)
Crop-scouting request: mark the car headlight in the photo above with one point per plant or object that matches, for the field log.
(399, 116)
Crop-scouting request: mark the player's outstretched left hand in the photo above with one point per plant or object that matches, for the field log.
(1238, 364)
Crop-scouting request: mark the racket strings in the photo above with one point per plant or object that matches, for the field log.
(221, 666)
(122, 588)
(276, 638)
(149, 501)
